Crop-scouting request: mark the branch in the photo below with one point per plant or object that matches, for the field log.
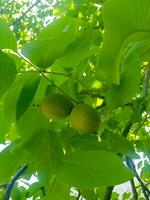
(146, 81)
(23, 15)
(69, 76)
(43, 190)
(13, 180)
(108, 193)
(43, 74)
(4, 185)
(131, 165)
(125, 132)
(6, 5)
(135, 194)
(147, 184)
(127, 129)
(78, 197)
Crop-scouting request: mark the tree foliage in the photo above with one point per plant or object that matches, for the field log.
(93, 53)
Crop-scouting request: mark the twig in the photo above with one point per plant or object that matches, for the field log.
(69, 76)
(131, 165)
(134, 191)
(141, 123)
(127, 129)
(5, 5)
(22, 16)
(78, 197)
(146, 81)
(108, 193)
(43, 74)
(43, 190)
(13, 180)
(147, 184)
(4, 185)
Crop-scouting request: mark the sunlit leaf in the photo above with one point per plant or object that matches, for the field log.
(8, 40)
(92, 169)
(7, 72)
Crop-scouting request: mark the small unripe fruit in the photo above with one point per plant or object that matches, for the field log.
(85, 118)
(56, 106)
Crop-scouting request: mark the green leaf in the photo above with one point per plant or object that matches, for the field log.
(89, 169)
(119, 95)
(43, 53)
(89, 194)
(10, 100)
(145, 173)
(45, 142)
(11, 161)
(10, 103)
(81, 48)
(52, 42)
(7, 72)
(126, 195)
(33, 189)
(27, 94)
(8, 40)
(15, 194)
(60, 25)
(59, 191)
(119, 144)
(30, 123)
(125, 22)
(115, 196)
(86, 142)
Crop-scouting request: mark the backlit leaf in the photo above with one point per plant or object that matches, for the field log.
(89, 169)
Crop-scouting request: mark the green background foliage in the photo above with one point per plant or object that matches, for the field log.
(94, 52)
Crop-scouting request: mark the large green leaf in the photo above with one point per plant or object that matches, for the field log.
(119, 95)
(86, 142)
(119, 144)
(7, 72)
(89, 169)
(60, 25)
(45, 142)
(11, 161)
(8, 40)
(89, 194)
(125, 22)
(30, 123)
(59, 191)
(52, 42)
(18, 89)
(44, 52)
(81, 48)
(27, 94)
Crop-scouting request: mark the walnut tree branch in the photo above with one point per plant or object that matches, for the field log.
(24, 14)
(145, 190)
(108, 193)
(134, 191)
(146, 81)
(13, 180)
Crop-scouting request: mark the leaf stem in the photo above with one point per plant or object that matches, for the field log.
(50, 81)
(134, 191)
(69, 76)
